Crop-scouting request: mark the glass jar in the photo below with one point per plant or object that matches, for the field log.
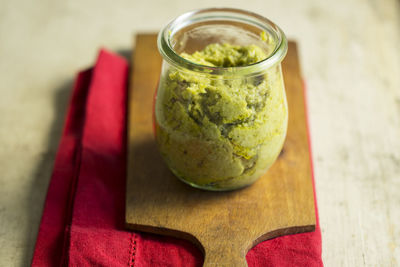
(220, 127)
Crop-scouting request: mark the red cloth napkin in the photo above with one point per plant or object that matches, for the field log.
(83, 218)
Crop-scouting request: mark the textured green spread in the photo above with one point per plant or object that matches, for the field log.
(226, 55)
(221, 133)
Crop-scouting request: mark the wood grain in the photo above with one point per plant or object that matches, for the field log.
(225, 225)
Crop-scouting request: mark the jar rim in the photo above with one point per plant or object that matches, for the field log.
(171, 56)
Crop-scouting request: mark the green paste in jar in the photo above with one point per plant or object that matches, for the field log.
(217, 132)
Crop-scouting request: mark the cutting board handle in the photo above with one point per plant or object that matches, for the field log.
(224, 256)
(228, 262)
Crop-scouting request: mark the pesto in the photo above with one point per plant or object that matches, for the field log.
(216, 132)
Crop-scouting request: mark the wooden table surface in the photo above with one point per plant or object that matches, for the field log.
(350, 57)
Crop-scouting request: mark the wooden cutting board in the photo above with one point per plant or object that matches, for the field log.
(225, 225)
